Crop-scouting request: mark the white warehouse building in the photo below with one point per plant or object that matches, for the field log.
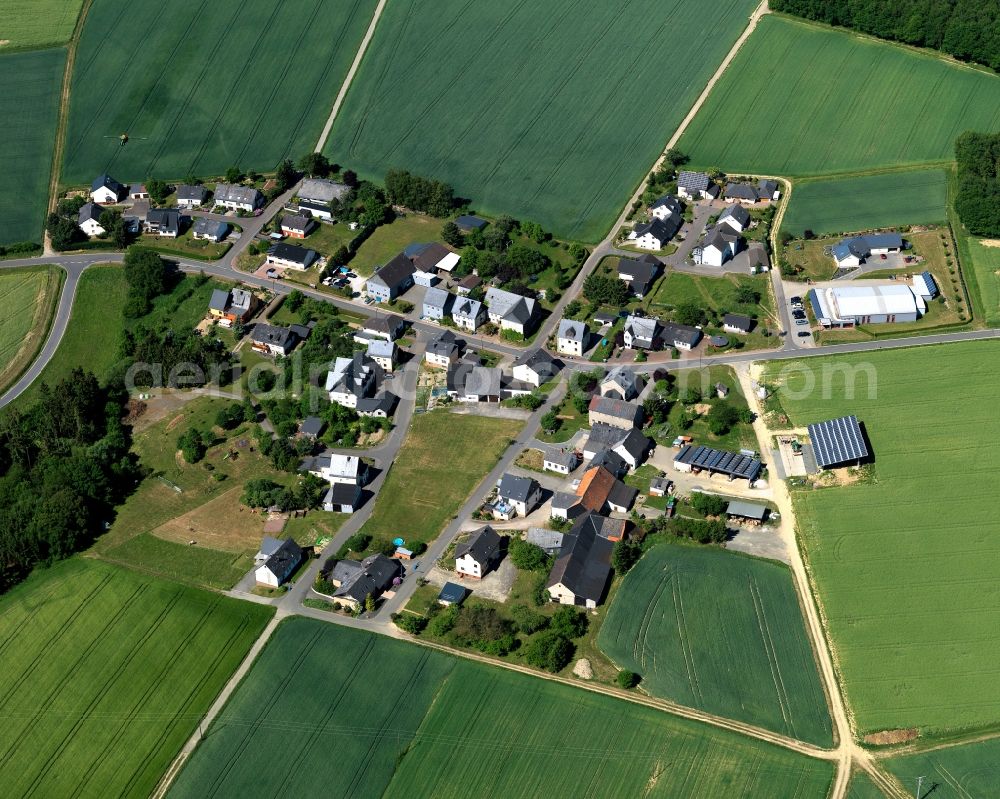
(846, 306)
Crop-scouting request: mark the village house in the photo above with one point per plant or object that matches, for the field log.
(639, 273)
(137, 191)
(721, 243)
(561, 461)
(737, 323)
(384, 353)
(855, 251)
(190, 196)
(443, 350)
(356, 581)
(277, 563)
(571, 338)
(654, 234)
(163, 222)
(742, 193)
(633, 448)
(89, 219)
(231, 307)
(468, 284)
(468, 314)
(323, 192)
(665, 207)
(581, 572)
(351, 379)
(311, 428)
(296, 226)
(682, 337)
(599, 490)
(209, 229)
(105, 190)
(642, 332)
(622, 383)
(238, 198)
(388, 326)
(736, 216)
(334, 467)
(271, 340)
(696, 186)
(535, 367)
(391, 280)
(437, 304)
(381, 406)
(342, 498)
(481, 384)
(522, 493)
(482, 553)
(291, 256)
(615, 412)
(511, 311)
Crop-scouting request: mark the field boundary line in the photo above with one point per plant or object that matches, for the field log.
(216, 707)
(349, 78)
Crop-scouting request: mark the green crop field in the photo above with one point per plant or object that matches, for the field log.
(854, 203)
(906, 562)
(803, 99)
(548, 111)
(985, 263)
(106, 673)
(204, 86)
(36, 23)
(340, 712)
(28, 299)
(721, 632)
(29, 86)
(862, 787)
(955, 772)
(444, 457)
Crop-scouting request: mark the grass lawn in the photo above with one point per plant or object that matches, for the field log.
(570, 420)
(28, 299)
(106, 674)
(326, 239)
(29, 85)
(569, 146)
(984, 263)
(186, 246)
(313, 678)
(443, 458)
(905, 563)
(865, 202)
(390, 240)
(640, 479)
(741, 436)
(249, 84)
(37, 23)
(722, 632)
(861, 104)
(955, 772)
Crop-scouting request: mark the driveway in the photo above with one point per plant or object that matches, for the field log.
(494, 586)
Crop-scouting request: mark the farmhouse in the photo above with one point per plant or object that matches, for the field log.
(855, 251)
(737, 323)
(599, 490)
(846, 306)
(535, 367)
(721, 243)
(238, 198)
(291, 256)
(683, 337)
(190, 196)
(571, 338)
(350, 380)
(296, 226)
(105, 190)
(735, 466)
(622, 383)
(356, 582)
(89, 219)
(231, 307)
(604, 526)
(443, 350)
(581, 572)
(467, 223)
(480, 554)
(642, 332)
(603, 438)
(696, 186)
(437, 303)
(388, 326)
(639, 273)
(384, 353)
(615, 412)
(209, 229)
(511, 311)
(769, 189)
(391, 280)
(654, 234)
(839, 442)
(562, 461)
(342, 498)
(522, 493)
(164, 222)
(468, 314)
(270, 340)
(279, 564)
(610, 460)
(633, 448)
(736, 216)
(323, 192)
(666, 207)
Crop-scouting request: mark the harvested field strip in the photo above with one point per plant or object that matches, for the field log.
(856, 104)
(96, 656)
(560, 151)
(431, 720)
(727, 637)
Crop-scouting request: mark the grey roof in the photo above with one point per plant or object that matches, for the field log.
(437, 298)
(372, 576)
(604, 436)
(106, 181)
(564, 500)
(739, 321)
(282, 562)
(323, 191)
(622, 495)
(452, 593)
(572, 330)
(484, 381)
(634, 443)
(227, 192)
(384, 402)
(269, 334)
(219, 300)
(312, 426)
(620, 409)
(485, 544)
(563, 457)
(684, 334)
(164, 219)
(838, 441)
(662, 229)
(516, 488)
(693, 181)
(642, 327)
(767, 187)
(342, 494)
(209, 227)
(669, 202)
(624, 378)
(185, 192)
(470, 222)
(444, 345)
(390, 324)
(89, 211)
(880, 240)
(737, 212)
(394, 274)
(642, 270)
(467, 309)
(715, 460)
(610, 460)
(296, 222)
(742, 191)
(269, 545)
(509, 305)
(538, 360)
(584, 564)
(293, 253)
(720, 237)
(748, 510)
(601, 525)
(302, 331)
(549, 540)
(862, 246)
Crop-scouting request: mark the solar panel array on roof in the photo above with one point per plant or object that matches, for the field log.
(722, 462)
(838, 441)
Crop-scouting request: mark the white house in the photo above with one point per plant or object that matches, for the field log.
(88, 219)
(279, 563)
(238, 198)
(855, 251)
(383, 353)
(190, 196)
(571, 338)
(443, 350)
(535, 367)
(105, 190)
(666, 207)
(468, 314)
(335, 468)
(481, 553)
(350, 380)
(561, 461)
(736, 216)
(522, 493)
(721, 243)
(641, 332)
(654, 235)
(696, 186)
(511, 311)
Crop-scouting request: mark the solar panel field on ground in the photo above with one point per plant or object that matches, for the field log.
(106, 673)
(548, 111)
(29, 87)
(863, 202)
(203, 86)
(341, 712)
(955, 772)
(720, 632)
(801, 99)
(907, 564)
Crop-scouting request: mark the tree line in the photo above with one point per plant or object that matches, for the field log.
(966, 29)
(978, 198)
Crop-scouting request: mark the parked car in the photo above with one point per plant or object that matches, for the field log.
(803, 334)
(802, 321)
(799, 314)
(796, 300)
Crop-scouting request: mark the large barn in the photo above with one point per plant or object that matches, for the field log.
(847, 306)
(839, 442)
